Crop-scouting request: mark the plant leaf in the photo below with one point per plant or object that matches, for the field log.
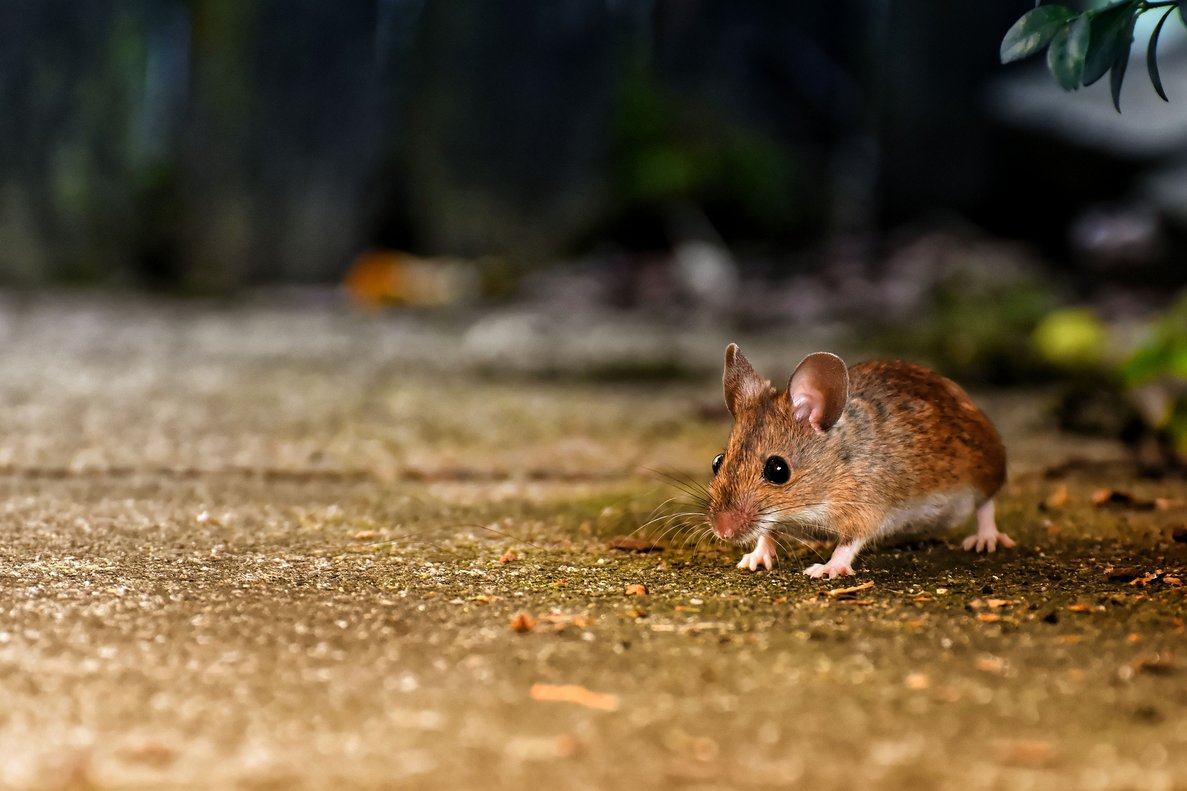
(1065, 56)
(1112, 32)
(1152, 57)
(1117, 75)
(1033, 31)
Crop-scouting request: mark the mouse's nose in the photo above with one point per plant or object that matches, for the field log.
(728, 524)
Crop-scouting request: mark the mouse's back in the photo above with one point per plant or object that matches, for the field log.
(920, 428)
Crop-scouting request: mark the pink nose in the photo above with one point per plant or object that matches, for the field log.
(728, 524)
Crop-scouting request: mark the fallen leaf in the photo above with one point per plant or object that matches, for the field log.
(847, 593)
(636, 589)
(991, 664)
(523, 622)
(1025, 752)
(1058, 498)
(149, 752)
(572, 693)
(560, 620)
(629, 544)
(1122, 573)
(1156, 663)
(508, 557)
(1113, 498)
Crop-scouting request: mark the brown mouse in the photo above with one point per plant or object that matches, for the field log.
(852, 455)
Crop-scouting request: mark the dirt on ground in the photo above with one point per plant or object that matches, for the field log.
(283, 545)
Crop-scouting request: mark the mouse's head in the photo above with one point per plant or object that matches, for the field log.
(775, 469)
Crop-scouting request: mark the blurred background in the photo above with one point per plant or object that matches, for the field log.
(858, 162)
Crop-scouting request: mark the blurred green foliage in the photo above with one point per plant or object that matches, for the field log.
(670, 150)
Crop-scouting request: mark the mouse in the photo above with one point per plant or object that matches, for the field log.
(851, 455)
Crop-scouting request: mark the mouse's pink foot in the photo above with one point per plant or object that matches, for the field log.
(830, 569)
(988, 537)
(839, 565)
(765, 553)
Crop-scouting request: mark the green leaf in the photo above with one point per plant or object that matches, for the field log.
(1065, 56)
(1152, 57)
(1111, 32)
(1034, 31)
(1117, 75)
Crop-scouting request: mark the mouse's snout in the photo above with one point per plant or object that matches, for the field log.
(731, 523)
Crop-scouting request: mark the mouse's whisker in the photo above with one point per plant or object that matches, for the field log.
(685, 484)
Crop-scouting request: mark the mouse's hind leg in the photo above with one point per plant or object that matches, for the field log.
(988, 537)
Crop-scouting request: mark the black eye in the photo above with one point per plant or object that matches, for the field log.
(717, 460)
(776, 470)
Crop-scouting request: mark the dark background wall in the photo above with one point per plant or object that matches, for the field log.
(207, 144)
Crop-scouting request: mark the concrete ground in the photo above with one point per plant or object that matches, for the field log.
(281, 545)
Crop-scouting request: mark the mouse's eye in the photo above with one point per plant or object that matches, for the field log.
(776, 470)
(717, 460)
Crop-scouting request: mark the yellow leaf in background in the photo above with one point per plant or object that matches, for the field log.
(1072, 338)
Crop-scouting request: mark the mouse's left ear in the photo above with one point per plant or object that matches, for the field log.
(819, 389)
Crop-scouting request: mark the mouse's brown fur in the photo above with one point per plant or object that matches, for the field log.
(906, 438)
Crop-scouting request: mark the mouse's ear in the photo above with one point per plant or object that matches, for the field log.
(819, 389)
(741, 382)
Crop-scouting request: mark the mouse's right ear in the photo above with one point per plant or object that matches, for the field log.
(819, 389)
(741, 382)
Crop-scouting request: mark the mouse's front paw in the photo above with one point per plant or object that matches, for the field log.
(764, 554)
(984, 541)
(832, 570)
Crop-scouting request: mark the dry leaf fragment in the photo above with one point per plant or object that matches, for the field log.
(1058, 498)
(1156, 663)
(1113, 498)
(991, 664)
(1122, 573)
(508, 557)
(523, 622)
(572, 693)
(847, 593)
(629, 544)
(1025, 752)
(636, 589)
